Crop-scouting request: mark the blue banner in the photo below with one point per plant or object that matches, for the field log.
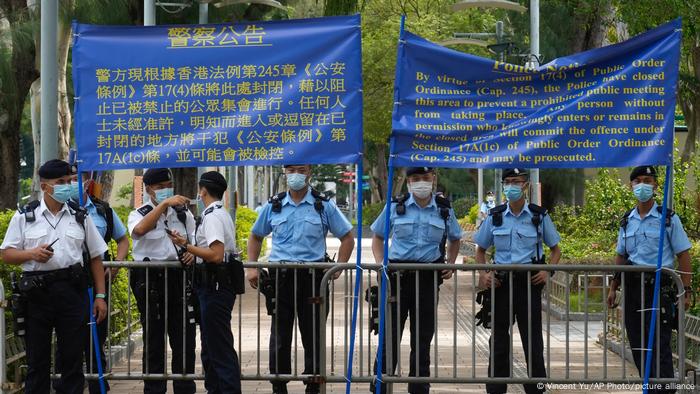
(257, 93)
(607, 107)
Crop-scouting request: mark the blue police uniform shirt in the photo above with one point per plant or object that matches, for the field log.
(416, 235)
(117, 232)
(485, 206)
(515, 240)
(298, 230)
(640, 239)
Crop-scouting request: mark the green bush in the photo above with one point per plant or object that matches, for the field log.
(461, 206)
(473, 213)
(245, 219)
(370, 212)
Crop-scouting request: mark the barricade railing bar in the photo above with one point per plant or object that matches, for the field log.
(459, 348)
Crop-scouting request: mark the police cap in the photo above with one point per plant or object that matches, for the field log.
(214, 181)
(511, 172)
(54, 169)
(418, 170)
(643, 171)
(157, 175)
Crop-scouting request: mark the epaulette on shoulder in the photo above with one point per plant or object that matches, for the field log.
(319, 195)
(145, 210)
(401, 198)
(278, 197)
(534, 208)
(442, 201)
(669, 214)
(498, 209)
(28, 210)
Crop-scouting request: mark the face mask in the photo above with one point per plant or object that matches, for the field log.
(200, 203)
(61, 193)
(421, 189)
(643, 192)
(164, 194)
(296, 182)
(512, 192)
(490, 199)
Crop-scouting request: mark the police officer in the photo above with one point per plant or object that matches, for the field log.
(299, 220)
(110, 228)
(215, 243)
(48, 239)
(638, 244)
(517, 230)
(420, 223)
(485, 206)
(148, 226)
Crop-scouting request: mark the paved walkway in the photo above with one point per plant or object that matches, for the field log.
(461, 349)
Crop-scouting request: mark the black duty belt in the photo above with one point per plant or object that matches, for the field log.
(40, 279)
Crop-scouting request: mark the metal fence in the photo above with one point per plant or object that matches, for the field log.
(459, 352)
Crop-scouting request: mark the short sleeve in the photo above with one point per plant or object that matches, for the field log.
(119, 230)
(214, 230)
(95, 243)
(620, 248)
(484, 236)
(378, 227)
(338, 224)
(262, 226)
(454, 231)
(134, 219)
(14, 237)
(484, 207)
(549, 232)
(679, 239)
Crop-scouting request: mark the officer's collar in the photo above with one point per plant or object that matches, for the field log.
(43, 207)
(652, 212)
(308, 198)
(412, 200)
(525, 209)
(215, 204)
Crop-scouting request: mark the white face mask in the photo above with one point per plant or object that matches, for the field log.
(421, 189)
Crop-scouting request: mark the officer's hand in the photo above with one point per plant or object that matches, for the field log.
(446, 274)
(539, 278)
(99, 310)
(252, 275)
(688, 299)
(176, 200)
(485, 281)
(41, 254)
(177, 238)
(188, 259)
(336, 274)
(111, 273)
(611, 298)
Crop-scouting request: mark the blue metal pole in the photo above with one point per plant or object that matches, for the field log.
(358, 275)
(387, 216)
(657, 281)
(93, 323)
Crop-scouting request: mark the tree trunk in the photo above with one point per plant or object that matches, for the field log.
(690, 104)
(35, 110)
(20, 76)
(65, 119)
(185, 180)
(107, 181)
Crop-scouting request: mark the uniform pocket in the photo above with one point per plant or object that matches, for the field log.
(34, 237)
(527, 238)
(311, 227)
(403, 227)
(436, 229)
(501, 239)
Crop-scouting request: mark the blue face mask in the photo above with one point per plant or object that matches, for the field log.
(164, 194)
(296, 182)
(643, 192)
(512, 192)
(75, 191)
(61, 193)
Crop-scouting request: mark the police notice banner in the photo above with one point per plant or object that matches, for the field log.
(608, 107)
(207, 95)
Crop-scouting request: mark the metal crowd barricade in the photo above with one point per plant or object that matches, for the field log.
(459, 350)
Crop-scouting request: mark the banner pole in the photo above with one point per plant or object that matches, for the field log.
(657, 281)
(387, 217)
(358, 275)
(93, 323)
